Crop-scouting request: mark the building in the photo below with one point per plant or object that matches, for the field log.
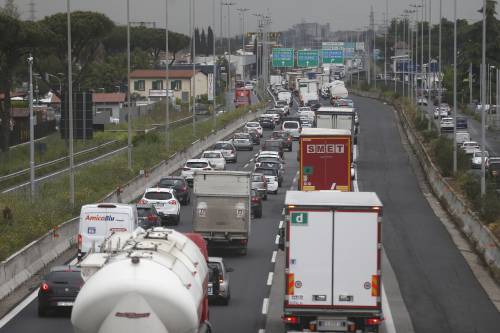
(151, 83)
(306, 35)
(107, 106)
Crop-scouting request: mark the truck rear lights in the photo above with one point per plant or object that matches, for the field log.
(243, 241)
(319, 298)
(44, 287)
(290, 320)
(373, 321)
(79, 240)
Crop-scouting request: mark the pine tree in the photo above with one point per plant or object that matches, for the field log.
(210, 41)
(203, 43)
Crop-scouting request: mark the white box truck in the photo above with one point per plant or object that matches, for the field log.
(222, 208)
(335, 118)
(332, 266)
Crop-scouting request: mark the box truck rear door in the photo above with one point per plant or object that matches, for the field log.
(355, 259)
(310, 258)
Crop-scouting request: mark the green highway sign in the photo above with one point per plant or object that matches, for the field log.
(299, 218)
(308, 170)
(332, 56)
(283, 57)
(307, 58)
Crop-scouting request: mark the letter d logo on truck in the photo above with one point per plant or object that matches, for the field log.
(299, 218)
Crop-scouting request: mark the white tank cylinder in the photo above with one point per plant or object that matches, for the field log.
(155, 282)
(339, 91)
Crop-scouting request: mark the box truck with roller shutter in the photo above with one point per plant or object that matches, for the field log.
(325, 157)
(222, 208)
(332, 262)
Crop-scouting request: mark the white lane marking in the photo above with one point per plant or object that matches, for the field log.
(355, 185)
(386, 310)
(245, 166)
(251, 160)
(277, 240)
(265, 305)
(270, 278)
(261, 330)
(273, 258)
(281, 223)
(283, 211)
(20, 307)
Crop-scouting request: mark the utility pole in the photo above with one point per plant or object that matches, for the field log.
(242, 11)
(32, 10)
(395, 51)
(385, 39)
(129, 108)
(430, 53)
(70, 110)
(32, 132)
(455, 88)
(214, 116)
(440, 59)
(372, 25)
(228, 4)
(194, 68)
(167, 101)
(483, 103)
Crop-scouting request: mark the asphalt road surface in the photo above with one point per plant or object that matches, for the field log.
(248, 282)
(437, 286)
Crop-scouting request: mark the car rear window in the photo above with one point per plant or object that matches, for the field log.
(158, 195)
(291, 124)
(267, 172)
(144, 212)
(242, 136)
(70, 277)
(197, 165)
(211, 155)
(275, 144)
(171, 182)
(225, 146)
(252, 125)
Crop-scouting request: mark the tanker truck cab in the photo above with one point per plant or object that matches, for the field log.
(99, 221)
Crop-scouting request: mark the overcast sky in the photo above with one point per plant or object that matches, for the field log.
(341, 14)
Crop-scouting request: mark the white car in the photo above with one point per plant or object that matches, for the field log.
(254, 126)
(422, 101)
(165, 203)
(477, 157)
(215, 158)
(271, 177)
(469, 147)
(192, 165)
(447, 124)
(461, 137)
(292, 127)
(303, 108)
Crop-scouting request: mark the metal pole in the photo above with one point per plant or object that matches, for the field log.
(440, 59)
(214, 118)
(483, 102)
(455, 88)
(194, 69)
(70, 111)
(167, 74)
(422, 50)
(395, 51)
(129, 106)
(191, 35)
(470, 83)
(406, 46)
(385, 39)
(430, 48)
(32, 133)
(229, 43)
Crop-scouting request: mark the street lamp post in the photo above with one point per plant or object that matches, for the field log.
(194, 67)
(228, 4)
(32, 133)
(483, 102)
(440, 59)
(385, 39)
(70, 110)
(454, 88)
(214, 118)
(129, 108)
(242, 12)
(167, 101)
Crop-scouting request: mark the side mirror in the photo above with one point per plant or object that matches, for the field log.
(281, 244)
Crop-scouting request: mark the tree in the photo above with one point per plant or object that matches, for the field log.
(210, 41)
(17, 39)
(10, 9)
(203, 43)
(197, 41)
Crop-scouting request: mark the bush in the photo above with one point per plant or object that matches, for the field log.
(442, 151)
(471, 185)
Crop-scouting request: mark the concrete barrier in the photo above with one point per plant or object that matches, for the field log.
(25, 263)
(467, 220)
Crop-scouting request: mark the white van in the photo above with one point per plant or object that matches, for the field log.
(292, 127)
(462, 136)
(98, 221)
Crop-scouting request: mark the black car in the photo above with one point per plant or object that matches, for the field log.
(59, 289)
(286, 137)
(255, 137)
(180, 186)
(148, 216)
(461, 123)
(266, 122)
(274, 145)
(256, 204)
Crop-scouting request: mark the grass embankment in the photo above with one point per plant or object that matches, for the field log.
(30, 221)
(18, 157)
(440, 148)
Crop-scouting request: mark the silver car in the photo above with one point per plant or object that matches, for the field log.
(218, 280)
(227, 149)
(243, 141)
(259, 183)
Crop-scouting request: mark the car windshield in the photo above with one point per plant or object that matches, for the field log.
(224, 146)
(170, 182)
(197, 165)
(211, 155)
(291, 125)
(252, 125)
(69, 277)
(158, 195)
(267, 172)
(279, 135)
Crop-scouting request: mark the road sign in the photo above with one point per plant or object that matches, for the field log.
(332, 56)
(308, 170)
(283, 57)
(299, 218)
(307, 58)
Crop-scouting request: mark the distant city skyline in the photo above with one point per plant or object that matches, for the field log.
(341, 15)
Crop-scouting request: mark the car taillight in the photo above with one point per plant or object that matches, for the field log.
(142, 202)
(255, 199)
(221, 280)
(290, 320)
(186, 169)
(79, 241)
(373, 321)
(151, 218)
(44, 287)
(172, 202)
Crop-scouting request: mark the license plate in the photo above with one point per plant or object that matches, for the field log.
(332, 324)
(210, 291)
(64, 303)
(159, 204)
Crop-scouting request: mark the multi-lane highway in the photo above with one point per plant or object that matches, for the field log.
(438, 288)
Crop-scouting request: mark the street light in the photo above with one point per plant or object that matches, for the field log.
(167, 101)
(32, 132)
(483, 102)
(454, 88)
(70, 110)
(129, 109)
(214, 118)
(228, 4)
(194, 67)
(242, 12)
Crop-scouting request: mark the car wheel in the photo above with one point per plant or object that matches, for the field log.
(42, 311)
